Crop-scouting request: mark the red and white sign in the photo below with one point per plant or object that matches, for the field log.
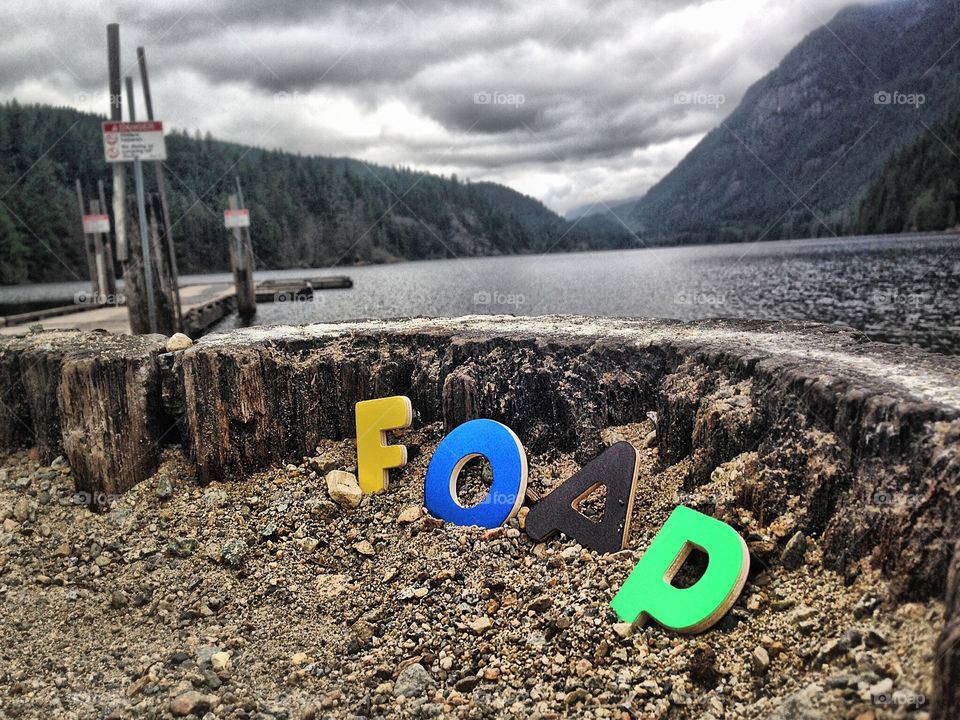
(236, 218)
(93, 224)
(129, 141)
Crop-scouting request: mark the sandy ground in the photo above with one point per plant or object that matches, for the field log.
(262, 598)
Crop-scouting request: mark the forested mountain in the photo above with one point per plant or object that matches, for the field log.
(796, 157)
(918, 187)
(305, 211)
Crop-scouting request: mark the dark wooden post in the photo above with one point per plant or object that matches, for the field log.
(166, 239)
(135, 289)
(111, 271)
(100, 256)
(116, 114)
(88, 248)
(140, 283)
(247, 244)
(241, 262)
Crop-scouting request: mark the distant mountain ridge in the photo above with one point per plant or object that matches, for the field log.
(305, 211)
(797, 155)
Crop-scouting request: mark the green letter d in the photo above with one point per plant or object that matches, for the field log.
(648, 592)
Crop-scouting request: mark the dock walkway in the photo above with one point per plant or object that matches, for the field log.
(213, 301)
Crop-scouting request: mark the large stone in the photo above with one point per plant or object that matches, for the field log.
(413, 681)
(177, 342)
(191, 703)
(343, 488)
(792, 556)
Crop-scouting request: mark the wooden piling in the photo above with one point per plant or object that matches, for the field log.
(111, 272)
(116, 114)
(88, 248)
(166, 240)
(100, 256)
(136, 287)
(241, 263)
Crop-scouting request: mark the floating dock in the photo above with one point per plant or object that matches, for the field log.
(297, 289)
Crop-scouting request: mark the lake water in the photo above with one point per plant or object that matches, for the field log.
(903, 289)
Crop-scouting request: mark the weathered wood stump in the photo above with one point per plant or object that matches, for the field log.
(113, 425)
(858, 442)
(946, 688)
(30, 378)
(862, 433)
(93, 397)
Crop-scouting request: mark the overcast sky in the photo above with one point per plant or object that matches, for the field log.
(573, 102)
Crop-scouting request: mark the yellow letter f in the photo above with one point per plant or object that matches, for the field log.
(374, 456)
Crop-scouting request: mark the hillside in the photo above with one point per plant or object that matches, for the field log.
(917, 188)
(306, 211)
(808, 139)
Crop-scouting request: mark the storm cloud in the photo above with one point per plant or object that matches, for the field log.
(573, 102)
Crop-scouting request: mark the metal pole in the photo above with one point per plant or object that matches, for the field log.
(142, 213)
(167, 240)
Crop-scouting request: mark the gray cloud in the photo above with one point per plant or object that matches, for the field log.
(572, 102)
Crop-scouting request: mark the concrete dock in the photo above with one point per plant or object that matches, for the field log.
(202, 306)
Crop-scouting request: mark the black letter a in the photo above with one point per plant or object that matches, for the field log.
(616, 468)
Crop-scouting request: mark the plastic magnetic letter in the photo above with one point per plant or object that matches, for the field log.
(374, 456)
(647, 593)
(616, 469)
(502, 449)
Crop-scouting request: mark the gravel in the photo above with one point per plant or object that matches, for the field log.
(277, 602)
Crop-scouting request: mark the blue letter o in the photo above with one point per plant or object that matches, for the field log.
(502, 449)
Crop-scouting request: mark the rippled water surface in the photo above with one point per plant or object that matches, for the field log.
(897, 289)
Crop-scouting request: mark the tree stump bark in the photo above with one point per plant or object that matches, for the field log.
(113, 425)
(946, 688)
